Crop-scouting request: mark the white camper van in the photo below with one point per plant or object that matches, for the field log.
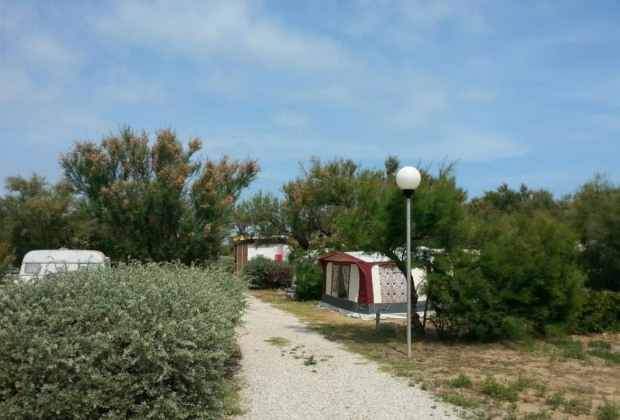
(41, 262)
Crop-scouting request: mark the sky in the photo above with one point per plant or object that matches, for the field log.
(513, 91)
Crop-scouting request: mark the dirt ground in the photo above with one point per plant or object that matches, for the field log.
(550, 382)
(575, 377)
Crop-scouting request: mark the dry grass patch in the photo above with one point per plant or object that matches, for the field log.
(570, 378)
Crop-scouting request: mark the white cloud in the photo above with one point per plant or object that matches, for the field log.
(43, 51)
(288, 119)
(123, 87)
(409, 24)
(233, 30)
(420, 108)
(472, 147)
(473, 95)
(12, 15)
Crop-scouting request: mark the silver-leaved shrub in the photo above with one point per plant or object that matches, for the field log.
(126, 343)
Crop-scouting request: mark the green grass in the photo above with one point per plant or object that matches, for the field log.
(578, 406)
(608, 411)
(497, 391)
(555, 400)
(461, 381)
(310, 361)
(279, 341)
(600, 345)
(460, 400)
(541, 415)
(571, 349)
(613, 358)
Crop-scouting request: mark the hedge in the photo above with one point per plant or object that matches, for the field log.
(129, 342)
(263, 273)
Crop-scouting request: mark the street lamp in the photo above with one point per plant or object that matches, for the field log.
(408, 179)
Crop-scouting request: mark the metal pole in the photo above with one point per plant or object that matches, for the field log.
(408, 276)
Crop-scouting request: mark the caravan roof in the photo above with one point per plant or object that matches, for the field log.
(45, 261)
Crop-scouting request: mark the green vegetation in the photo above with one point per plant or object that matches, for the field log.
(570, 349)
(310, 361)
(460, 400)
(263, 273)
(608, 411)
(279, 341)
(308, 280)
(509, 266)
(514, 264)
(497, 391)
(130, 342)
(462, 381)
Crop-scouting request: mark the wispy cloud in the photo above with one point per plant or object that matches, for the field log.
(289, 119)
(233, 30)
(472, 147)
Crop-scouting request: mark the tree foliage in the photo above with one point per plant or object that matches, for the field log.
(338, 205)
(595, 215)
(36, 215)
(260, 217)
(156, 202)
(316, 200)
(521, 278)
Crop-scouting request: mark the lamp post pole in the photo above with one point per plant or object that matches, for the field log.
(408, 179)
(409, 274)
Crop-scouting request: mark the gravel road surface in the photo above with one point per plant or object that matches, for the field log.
(282, 383)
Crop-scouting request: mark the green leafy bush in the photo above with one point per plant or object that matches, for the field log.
(226, 263)
(309, 280)
(7, 256)
(129, 342)
(600, 313)
(523, 281)
(263, 273)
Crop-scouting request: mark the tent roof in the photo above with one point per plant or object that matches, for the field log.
(356, 256)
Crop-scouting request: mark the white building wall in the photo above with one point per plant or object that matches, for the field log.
(268, 251)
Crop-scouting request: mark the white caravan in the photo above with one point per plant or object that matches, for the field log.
(41, 262)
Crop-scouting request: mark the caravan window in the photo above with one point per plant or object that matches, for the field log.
(340, 280)
(32, 268)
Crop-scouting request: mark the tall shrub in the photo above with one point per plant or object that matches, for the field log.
(599, 314)
(308, 280)
(523, 281)
(131, 342)
(263, 273)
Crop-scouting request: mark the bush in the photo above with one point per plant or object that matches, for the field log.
(263, 273)
(309, 280)
(7, 256)
(225, 263)
(524, 281)
(600, 313)
(129, 342)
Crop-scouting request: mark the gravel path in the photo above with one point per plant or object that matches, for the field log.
(341, 385)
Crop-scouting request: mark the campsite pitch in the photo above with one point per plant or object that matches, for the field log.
(563, 378)
(291, 372)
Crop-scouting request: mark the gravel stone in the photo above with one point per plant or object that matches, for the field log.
(281, 383)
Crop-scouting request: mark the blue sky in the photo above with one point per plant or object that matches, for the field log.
(516, 92)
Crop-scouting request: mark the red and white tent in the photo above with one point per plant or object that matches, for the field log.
(361, 284)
